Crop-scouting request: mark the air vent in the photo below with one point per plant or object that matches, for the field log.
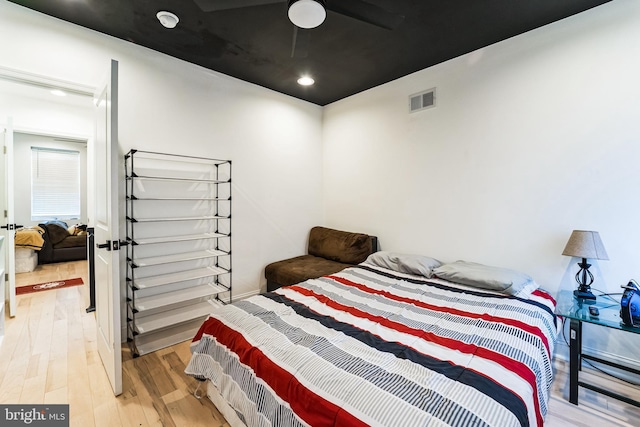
(422, 100)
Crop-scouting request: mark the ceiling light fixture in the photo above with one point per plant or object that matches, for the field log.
(58, 92)
(167, 19)
(307, 13)
(305, 81)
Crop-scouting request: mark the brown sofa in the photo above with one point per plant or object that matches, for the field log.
(60, 245)
(329, 251)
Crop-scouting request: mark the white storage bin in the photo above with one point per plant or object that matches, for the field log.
(26, 260)
(24, 253)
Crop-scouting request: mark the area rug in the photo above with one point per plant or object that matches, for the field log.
(58, 284)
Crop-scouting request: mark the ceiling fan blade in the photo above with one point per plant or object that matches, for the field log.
(366, 12)
(213, 5)
(300, 46)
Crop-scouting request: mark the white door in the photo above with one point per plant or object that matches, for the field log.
(8, 223)
(106, 225)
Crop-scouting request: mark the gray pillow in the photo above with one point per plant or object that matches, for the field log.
(404, 263)
(506, 281)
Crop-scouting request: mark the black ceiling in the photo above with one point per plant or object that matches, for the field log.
(344, 55)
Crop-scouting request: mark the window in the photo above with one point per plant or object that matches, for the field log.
(55, 184)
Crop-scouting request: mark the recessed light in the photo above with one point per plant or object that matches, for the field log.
(306, 81)
(58, 92)
(167, 19)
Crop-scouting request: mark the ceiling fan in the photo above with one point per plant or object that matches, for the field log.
(307, 14)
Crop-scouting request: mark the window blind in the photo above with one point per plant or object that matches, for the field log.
(55, 184)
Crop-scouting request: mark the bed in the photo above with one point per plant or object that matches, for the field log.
(395, 341)
(29, 238)
(27, 241)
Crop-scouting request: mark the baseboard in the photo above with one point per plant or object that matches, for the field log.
(237, 297)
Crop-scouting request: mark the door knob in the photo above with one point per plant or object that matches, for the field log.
(106, 246)
(11, 226)
(112, 245)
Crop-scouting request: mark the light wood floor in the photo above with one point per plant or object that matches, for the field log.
(50, 272)
(49, 356)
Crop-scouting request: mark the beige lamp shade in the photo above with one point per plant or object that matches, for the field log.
(585, 244)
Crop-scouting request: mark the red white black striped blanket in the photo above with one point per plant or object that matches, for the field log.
(369, 346)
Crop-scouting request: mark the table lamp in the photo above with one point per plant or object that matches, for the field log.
(585, 244)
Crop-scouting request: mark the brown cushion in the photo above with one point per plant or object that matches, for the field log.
(339, 246)
(71, 242)
(56, 233)
(295, 270)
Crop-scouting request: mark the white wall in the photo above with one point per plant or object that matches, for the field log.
(33, 113)
(168, 105)
(531, 138)
(22, 177)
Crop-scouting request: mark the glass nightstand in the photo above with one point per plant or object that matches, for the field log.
(577, 311)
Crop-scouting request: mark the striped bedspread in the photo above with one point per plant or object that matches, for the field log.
(369, 346)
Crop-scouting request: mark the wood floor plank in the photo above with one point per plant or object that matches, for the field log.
(106, 414)
(137, 389)
(58, 396)
(49, 354)
(163, 383)
(132, 413)
(184, 352)
(81, 419)
(33, 366)
(33, 390)
(57, 373)
(44, 332)
(79, 396)
(185, 413)
(146, 366)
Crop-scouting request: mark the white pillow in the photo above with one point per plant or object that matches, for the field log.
(418, 265)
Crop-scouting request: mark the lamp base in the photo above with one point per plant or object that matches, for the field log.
(584, 294)
(584, 279)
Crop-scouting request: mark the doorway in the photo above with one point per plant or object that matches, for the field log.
(102, 212)
(41, 116)
(32, 267)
